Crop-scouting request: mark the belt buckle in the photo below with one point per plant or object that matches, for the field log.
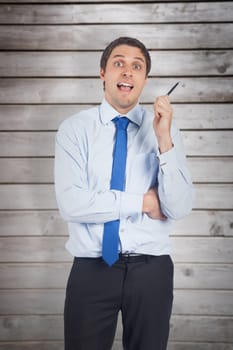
(129, 256)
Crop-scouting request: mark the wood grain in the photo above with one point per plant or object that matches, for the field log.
(42, 144)
(201, 328)
(42, 196)
(115, 13)
(71, 1)
(41, 170)
(80, 37)
(48, 117)
(47, 249)
(49, 223)
(58, 345)
(194, 346)
(208, 196)
(32, 90)
(55, 274)
(86, 64)
(49, 68)
(51, 302)
(38, 345)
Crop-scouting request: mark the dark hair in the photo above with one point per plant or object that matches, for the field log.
(125, 41)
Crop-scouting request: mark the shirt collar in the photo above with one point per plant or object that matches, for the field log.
(107, 113)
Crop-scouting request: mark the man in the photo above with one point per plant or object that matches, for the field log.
(119, 188)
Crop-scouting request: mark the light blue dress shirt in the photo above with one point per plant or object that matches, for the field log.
(83, 165)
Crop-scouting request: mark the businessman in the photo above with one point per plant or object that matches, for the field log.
(121, 180)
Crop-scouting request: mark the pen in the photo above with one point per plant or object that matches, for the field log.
(170, 91)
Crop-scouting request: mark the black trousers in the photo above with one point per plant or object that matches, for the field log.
(140, 287)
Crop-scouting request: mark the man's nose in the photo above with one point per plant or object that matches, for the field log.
(127, 72)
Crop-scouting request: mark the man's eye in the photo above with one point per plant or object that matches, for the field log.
(137, 66)
(118, 64)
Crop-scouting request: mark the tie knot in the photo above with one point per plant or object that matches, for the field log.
(121, 123)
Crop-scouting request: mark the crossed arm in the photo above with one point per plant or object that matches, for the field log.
(78, 203)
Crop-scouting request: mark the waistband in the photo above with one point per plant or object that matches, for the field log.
(124, 257)
(133, 257)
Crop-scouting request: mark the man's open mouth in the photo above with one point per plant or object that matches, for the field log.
(125, 86)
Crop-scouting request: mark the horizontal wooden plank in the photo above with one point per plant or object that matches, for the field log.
(58, 345)
(37, 345)
(201, 328)
(48, 117)
(32, 223)
(183, 328)
(45, 90)
(116, 13)
(34, 249)
(32, 302)
(75, 1)
(208, 196)
(208, 143)
(51, 302)
(27, 170)
(188, 346)
(41, 170)
(200, 276)
(211, 169)
(37, 117)
(30, 196)
(42, 144)
(54, 275)
(85, 64)
(31, 328)
(202, 302)
(27, 144)
(49, 223)
(212, 249)
(48, 249)
(205, 223)
(96, 37)
(203, 116)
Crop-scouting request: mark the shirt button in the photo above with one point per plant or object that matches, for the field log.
(122, 230)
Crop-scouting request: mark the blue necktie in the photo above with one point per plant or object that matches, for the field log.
(111, 228)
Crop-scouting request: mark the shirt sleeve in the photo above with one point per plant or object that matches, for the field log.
(175, 189)
(76, 201)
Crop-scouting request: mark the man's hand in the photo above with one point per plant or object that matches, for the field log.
(151, 205)
(162, 123)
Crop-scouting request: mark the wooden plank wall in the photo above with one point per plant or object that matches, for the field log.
(49, 61)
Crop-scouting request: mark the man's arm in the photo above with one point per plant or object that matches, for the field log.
(162, 123)
(76, 200)
(175, 189)
(151, 205)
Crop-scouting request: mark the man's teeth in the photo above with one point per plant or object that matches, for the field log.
(125, 85)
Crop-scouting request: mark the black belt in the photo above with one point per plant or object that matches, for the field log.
(133, 257)
(123, 257)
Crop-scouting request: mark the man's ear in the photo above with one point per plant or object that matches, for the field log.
(102, 74)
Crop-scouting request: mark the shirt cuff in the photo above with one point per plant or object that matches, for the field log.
(131, 206)
(167, 160)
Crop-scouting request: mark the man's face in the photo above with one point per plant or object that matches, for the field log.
(124, 77)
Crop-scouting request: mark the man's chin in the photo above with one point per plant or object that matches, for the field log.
(127, 103)
(123, 104)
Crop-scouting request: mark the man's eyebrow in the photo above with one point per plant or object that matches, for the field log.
(136, 58)
(140, 59)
